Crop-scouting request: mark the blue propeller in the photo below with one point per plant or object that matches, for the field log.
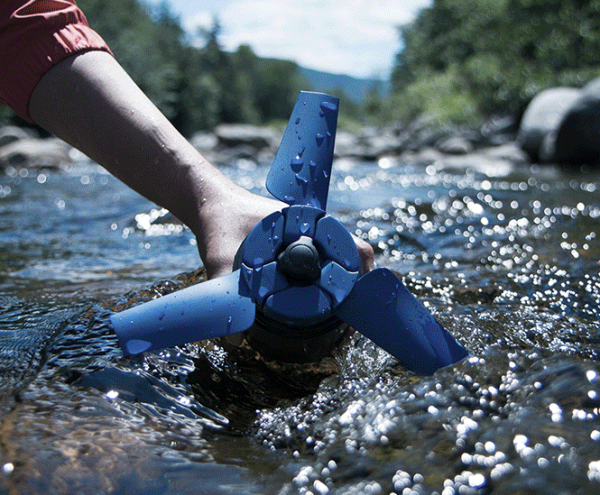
(297, 277)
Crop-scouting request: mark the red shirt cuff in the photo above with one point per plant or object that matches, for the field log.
(34, 37)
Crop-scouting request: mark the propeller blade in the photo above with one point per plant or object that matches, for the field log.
(302, 167)
(202, 311)
(384, 310)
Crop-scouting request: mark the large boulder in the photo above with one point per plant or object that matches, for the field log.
(543, 116)
(577, 139)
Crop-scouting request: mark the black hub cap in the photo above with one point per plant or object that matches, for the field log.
(300, 260)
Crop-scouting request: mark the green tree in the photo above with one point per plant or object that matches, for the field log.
(269, 86)
(148, 49)
(494, 55)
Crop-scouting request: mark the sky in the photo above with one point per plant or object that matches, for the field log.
(353, 37)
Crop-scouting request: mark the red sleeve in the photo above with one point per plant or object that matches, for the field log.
(34, 36)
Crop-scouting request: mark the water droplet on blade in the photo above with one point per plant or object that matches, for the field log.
(328, 106)
(297, 164)
(301, 180)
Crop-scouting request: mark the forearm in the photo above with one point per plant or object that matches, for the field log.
(90, 102)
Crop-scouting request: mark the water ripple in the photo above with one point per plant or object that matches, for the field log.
(507, 260)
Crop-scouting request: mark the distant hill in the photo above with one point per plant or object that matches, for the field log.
(354, 88)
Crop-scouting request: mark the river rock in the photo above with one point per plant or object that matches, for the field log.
(204, 141)
(577, 139)
(454, 145)
(543, 116)
(510, 151)
(346, 144)
(36, 153)
(258, 138)
(499, 130)
(10, 134)
(375, 142)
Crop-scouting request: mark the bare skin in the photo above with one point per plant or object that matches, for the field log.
(89, 101)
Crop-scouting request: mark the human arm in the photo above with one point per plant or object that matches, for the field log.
(83, 96)
(90, 102)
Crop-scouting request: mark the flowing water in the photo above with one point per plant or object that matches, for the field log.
(506, 257)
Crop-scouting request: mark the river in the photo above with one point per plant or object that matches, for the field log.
(505, 257)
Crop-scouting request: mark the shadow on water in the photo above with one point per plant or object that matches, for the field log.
(507, 260)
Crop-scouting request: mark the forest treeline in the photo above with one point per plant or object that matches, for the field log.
(463, 61)
(195, 87)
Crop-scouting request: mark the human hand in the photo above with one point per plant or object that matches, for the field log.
(229, 217)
